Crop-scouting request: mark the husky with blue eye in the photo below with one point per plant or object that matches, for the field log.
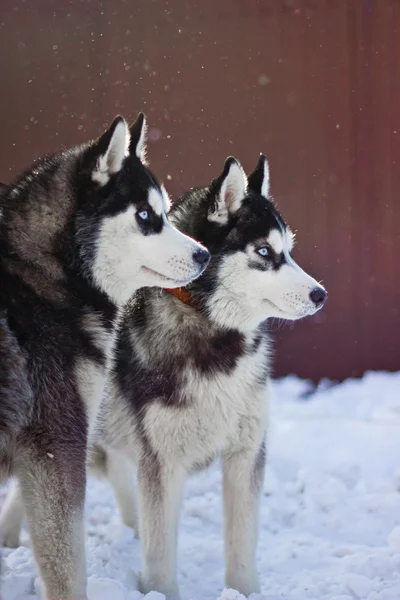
(191, 375)
(80, 232)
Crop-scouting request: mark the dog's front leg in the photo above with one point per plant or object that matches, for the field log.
(159, 499)
(11, 518)
(243, 476)
(120, 474)
(53, 492)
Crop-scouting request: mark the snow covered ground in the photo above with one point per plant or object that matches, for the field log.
(330, 513)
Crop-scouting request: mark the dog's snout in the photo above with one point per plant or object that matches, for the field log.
(318, 295)
(202, 257)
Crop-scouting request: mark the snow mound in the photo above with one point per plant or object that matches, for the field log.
(330, 513)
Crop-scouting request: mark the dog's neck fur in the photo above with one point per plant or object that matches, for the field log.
(185, 296)
(166, 317)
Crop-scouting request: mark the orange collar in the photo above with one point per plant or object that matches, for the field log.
(184, 296)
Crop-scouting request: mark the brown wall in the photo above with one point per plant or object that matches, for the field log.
(313, 83)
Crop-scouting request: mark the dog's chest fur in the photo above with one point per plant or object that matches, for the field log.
(191, 393)
(221, 413)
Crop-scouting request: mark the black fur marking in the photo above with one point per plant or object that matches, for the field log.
(153, 224)
(135, 131)
(256, 178)
(272, 262)
(265, 374)
(258, 338)
(220, 353)
(260, 266)
(137, 383)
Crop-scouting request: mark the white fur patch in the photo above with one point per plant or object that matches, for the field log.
(166, 199)
(141, 145)
(90, 376)
(290, 239)
(101, 337)
(281, 241)
(156, 201)
(265, 187)
(116, 261)
(91, 380)
(119, 472)
(111, 161)
(276, 241)
(127, 260)
(232, 193)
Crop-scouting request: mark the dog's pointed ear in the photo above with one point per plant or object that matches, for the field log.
(109, 151)
(229, 190)
(138, 133)
(259, 178)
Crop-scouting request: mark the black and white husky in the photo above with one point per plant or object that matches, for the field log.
(191, 375)
(80, 232)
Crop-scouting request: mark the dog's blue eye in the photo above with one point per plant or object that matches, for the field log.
(263, 251)
(144, 215)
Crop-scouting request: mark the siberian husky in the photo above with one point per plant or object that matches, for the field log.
(191, 375)
(80, 232)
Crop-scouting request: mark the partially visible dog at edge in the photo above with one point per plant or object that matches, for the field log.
(80, 232)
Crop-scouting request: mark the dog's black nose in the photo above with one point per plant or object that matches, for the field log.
(202, 257)
(318, 296)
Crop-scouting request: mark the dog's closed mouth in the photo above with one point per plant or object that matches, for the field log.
(178, 282)
(283, 312)
(273, 304)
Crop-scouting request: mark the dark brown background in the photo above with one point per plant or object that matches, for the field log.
(313, 83)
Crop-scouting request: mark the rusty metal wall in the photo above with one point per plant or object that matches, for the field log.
(313, 83)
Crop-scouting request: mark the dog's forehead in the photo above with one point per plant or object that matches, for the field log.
(259, 218)
(281, 240)
(276, 239)
(156, 200)
(139, 183)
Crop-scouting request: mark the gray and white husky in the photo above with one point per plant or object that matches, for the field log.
(191, 375)
(80, 232)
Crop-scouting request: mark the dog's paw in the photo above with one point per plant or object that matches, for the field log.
(244, 583)
(171, 592)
